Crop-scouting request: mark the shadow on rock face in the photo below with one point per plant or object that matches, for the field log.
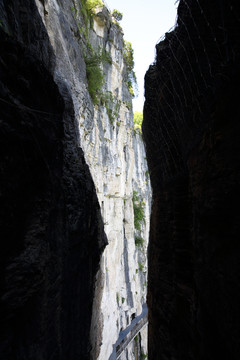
(51, 229)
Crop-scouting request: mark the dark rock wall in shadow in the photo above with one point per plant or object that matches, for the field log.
(51, 229)
(192, 132)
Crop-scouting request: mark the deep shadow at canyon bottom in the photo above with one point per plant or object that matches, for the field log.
(52, 234)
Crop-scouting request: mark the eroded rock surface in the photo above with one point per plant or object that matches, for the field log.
(60, 298)
(191, 128)
(52, 233)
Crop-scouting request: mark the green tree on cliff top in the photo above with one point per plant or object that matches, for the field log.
(138, 119)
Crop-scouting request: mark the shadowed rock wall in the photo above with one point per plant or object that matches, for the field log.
(192, 133)
(51, 229)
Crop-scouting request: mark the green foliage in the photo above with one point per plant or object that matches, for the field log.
(112, 105)
(80, 13)
(117, 24)
(86, 10)
(123, 299)
(138, 119)
(110, 40)
(92, 4)
(85, 13)
(129, 61)
(140, 266)
(106, 57)
(143, 356)
(95, 75)
(138, 206)
(106, 98)
(136, 340)
(139, 241)
(117, 15)
(128, 104)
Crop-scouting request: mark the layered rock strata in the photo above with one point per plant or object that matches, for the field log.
(192, 132)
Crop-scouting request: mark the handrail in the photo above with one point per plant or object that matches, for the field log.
(133, 333)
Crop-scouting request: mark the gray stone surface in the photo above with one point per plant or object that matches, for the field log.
(52, 233)
(53, 274)
(192, 133)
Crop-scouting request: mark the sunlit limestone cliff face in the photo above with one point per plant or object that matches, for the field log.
(115, 154)
(54, 262)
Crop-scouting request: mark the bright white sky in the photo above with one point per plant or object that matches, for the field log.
(144, 22)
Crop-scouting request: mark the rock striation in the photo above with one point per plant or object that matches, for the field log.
(52, 233)
(192, 134)
(73, 178)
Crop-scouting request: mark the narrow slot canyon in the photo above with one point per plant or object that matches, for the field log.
(119, 234)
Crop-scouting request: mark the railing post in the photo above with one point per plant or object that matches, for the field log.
(133, 333)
